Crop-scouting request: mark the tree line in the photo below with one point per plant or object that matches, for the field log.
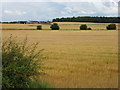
(88, 19)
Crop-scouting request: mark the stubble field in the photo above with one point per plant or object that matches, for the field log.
(76, 59)
(63, 26)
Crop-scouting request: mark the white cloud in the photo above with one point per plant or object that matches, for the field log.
(8, 11)
(78, 9)
(106, 7)
(87, 13)
(20, 12)
(50, 10)
(14, 12)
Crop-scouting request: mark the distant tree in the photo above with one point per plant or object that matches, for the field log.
(111, 27)
(54, 26)
(88, 19)
(39, 27)
(83, 27)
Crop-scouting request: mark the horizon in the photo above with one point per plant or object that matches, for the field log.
(55, 18)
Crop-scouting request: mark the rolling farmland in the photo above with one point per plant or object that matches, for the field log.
(76, 59)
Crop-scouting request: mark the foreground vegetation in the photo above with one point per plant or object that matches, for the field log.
(76, 59)
(21, 64)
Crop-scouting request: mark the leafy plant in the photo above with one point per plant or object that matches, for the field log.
(39, 27)
(54, 26)
(83, 27)
(20, 63)
(111, 27)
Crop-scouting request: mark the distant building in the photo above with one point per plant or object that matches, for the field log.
(22, 22)
(28, 22)
(33, 22)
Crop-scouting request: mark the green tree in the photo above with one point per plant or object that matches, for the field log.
(39, 27)
(83, 27)
(111, 27)
(54, 26)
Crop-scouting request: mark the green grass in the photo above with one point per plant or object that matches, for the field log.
(39, 84)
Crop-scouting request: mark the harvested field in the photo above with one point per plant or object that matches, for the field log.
(76, 59)
(63, 26)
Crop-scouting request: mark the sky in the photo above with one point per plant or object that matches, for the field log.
(44, 10)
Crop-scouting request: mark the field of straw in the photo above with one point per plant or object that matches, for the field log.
(76, 59)
(63, 26)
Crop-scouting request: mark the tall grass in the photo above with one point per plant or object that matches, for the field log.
(20, 64)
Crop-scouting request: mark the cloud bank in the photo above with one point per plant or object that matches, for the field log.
(12, 11)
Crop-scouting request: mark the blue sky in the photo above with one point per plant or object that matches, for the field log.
(14, 10)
